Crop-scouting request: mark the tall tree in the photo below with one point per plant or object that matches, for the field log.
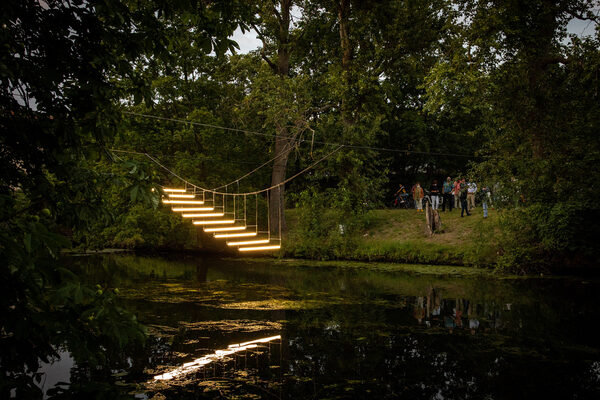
(526, 84)
(274, 28)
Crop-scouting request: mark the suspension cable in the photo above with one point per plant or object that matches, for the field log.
(225, 193)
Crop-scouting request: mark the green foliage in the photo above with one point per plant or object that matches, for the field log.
(66, 69)
(145, 228)
(518, 81)
(543, 237)
(327, 224)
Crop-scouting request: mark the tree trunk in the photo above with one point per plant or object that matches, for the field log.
(343, 12)
(432, 219)
(277, 196)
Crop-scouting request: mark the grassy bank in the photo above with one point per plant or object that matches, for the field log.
(399, 236)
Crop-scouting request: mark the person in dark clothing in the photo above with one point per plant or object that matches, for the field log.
(447, 194)
(401, 196)
(463, 198)
(435, 192)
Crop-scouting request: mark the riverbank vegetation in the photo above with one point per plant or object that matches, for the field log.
(397, 236)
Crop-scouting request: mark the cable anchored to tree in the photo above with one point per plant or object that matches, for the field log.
(347, 145)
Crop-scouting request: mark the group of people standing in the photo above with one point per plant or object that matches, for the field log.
(450, 195)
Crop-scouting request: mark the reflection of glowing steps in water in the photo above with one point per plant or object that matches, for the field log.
(218, 355)
(181, 196)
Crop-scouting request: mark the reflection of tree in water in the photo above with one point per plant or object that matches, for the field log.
(378, 366)
(422, 363)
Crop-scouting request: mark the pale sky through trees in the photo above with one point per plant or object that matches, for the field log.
(249, 41)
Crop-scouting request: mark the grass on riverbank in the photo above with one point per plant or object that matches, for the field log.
(400, 236)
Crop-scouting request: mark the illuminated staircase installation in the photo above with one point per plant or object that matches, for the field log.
(219, 220)
(201, 206)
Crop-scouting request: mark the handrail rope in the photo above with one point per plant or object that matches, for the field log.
(225, 193)
(288, 147)
(350, 146)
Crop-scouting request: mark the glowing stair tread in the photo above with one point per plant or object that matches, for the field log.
(224, 229)
(248, 242)
(181, 196)
(173, 190)
(192, 209)
(206, 215)
(214, 222)
(182, 201)
(234, 235)
(260, 248)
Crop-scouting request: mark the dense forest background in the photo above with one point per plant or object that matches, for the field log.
(498, 91)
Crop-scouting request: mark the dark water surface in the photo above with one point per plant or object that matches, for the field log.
(351, 331)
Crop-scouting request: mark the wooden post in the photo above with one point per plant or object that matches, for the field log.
(432, 218)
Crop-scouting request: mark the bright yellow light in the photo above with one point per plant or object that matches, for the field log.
(218, 222)
(184, 209)
(233, 235)
(224, 229)
(259, 248)
(261, 241)
(182, 196)
(183, 202)
(263, 340)
(218, 355)
(202, 215)
(173, 190)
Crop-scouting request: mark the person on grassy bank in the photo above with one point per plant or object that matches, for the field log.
(463, 198)
(456, 192)
(418, 195)
(448, 200)
(434, 190)
(486, 197)
(471, 190)
(401, 195)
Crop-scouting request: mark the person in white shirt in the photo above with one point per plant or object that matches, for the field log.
(471, 190)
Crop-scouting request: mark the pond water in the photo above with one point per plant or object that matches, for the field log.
(350, 330)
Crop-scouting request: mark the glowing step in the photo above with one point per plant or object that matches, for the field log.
(203, 215)
(183, 202)
(218, 222)
(234, 235)
(225, 229)
(248, 242)
(192, 209)
(182, 196)
(260, 248)
(171, 190)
